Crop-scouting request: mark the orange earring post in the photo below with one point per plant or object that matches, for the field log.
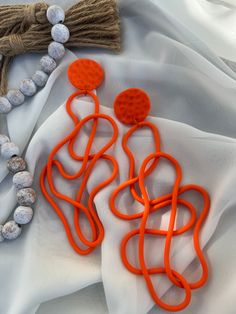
(85, 75)
(132, 107)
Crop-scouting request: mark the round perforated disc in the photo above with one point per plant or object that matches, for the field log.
(85, 74)
(132, 106)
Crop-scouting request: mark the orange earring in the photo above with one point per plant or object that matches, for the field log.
(132, 107)
(86, 75)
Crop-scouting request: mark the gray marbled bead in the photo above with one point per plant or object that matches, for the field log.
(55, 14)
(1, 236)
(26, 197)
(16, 164)
(15, 97)
(22, 179)
(40, 78)
(23, 215)
(56, 50)
(9, 149)
(60, 33)
(28, 87)
(3, 139)
(5, 105)
(48, 64)
(11, 230)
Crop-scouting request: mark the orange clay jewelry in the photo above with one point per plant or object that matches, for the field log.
(132, 107)
(86, 75)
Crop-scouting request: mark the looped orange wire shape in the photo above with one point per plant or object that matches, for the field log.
(86, 75)
(173, 199)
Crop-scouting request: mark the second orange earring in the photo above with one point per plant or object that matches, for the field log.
(132, 107)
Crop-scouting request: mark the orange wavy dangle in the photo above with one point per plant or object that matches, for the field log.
(85, 75)
(136, 104)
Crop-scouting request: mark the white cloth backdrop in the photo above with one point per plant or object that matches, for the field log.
(173, 50)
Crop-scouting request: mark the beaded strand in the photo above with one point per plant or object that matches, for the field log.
(23, 179)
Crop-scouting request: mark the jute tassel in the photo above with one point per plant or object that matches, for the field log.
(24, 28)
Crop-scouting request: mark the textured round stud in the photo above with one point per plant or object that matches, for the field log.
(48, 64)
(15, 97)
(16, 164)
(23, 215)
(56, 50)
(5, 105)
(60, 33)
(85, 74)
(1, 236)
(11, 230)
(9, 149)
(4, 139)
(22, 179)
(26, 197)
(40, 78)
(28, 87)
(132, 106)
(55, 14)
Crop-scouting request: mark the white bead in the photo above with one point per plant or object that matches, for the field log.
(26, 197)
(48, 64)
(5, 105)
(9, 149)
(40, 78)
(55, 14)
(11, 230)
(1, 236)
(23, 215)
(22, 179)
(56, 50)
(60, 33)
(3, 139)
(16, 164)
(28, 87)
(15, 97)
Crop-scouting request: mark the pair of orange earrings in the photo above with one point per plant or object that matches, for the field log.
(131, 107)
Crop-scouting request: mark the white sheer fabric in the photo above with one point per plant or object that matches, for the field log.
(173, 50)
